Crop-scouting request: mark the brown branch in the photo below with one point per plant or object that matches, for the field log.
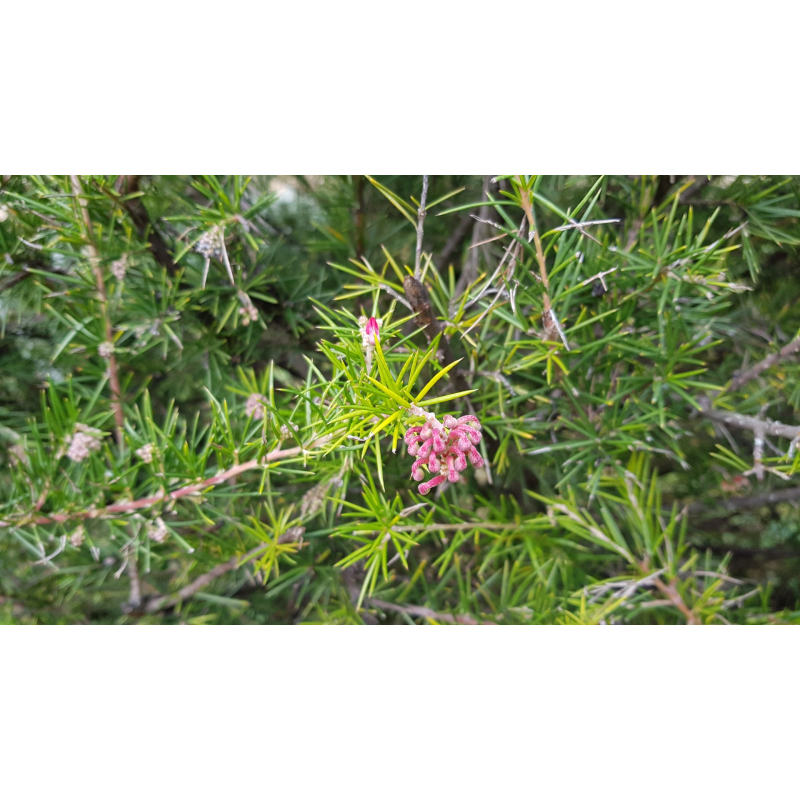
(761, 427)
(162, 602)
(417, 295)
(754, 371)
(13, 280)
(358, 214)
(422, 611)
(753, 501)
(552, 329)
(146, 502)
(420, 224)
(537, 242)
(94, 258)
(167, 601)
(674, 596)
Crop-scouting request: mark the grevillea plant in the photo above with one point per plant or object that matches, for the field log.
(545, 399)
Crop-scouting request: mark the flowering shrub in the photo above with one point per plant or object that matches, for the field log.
(203, 392)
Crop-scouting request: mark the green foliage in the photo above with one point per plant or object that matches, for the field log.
(595, 326)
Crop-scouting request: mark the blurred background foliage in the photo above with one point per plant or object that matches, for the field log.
(609, 495)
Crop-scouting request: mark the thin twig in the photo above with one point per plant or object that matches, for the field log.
(192, 488)
(420, 224)
(673, 595)
(62, 543)
(94, 258)
(763, 426)
(486, 241)
(458, 526)
(601, 277)
(579, 225)
(422, 611)
(753, 501)
(167, 601)
(397, 296)
(537, 242)
(754, 371)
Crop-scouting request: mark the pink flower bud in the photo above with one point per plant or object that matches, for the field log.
(372, 330)
(452, 472)
(469, 419)
(433, 463)
(450, 421)
(425, 449)
(424, 488)
(438, 445)
(475, 458)
(427, 431)
(461, 461)
(472, 434)
(463, 444)
(412, 434)
(413, 448)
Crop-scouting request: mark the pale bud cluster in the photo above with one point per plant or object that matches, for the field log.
(119, 267)
(105, 349)
(158, 530)
(255, 405)
(82, 442)
(286, 433)
(443, 449)
(248, 311)
(209, 245)
(76, 538)
(145, 452)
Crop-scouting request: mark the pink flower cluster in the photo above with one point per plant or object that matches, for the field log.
(443, 449)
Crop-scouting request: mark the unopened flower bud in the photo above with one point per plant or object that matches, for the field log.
(158, 531)
(424, 488)
(81, 445)
(119, 267)
(145, 452)
(255, 405)
(371, 330)
(475, 458)
(76, 539)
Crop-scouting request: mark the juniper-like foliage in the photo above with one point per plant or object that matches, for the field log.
(501, 400)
